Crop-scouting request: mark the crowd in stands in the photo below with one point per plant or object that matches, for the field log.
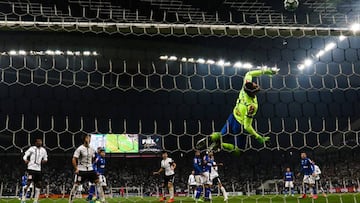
(341, 168)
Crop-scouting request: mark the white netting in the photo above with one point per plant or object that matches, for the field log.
(184, 102)
(176, 18)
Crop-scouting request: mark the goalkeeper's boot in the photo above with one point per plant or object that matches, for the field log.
(162, 199)
(213, 141)
(171, 200)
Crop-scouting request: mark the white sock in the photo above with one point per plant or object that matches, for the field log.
(37, 194)
(100, 192)
(224, 192)
(171, 191)
(23, 194)
(73, 192)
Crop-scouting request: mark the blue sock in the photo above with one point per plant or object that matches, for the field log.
(207, 193)
(198, 192)
(91, 192)
(304, 190)
(292, 191)
(314, 190)
(286, 191)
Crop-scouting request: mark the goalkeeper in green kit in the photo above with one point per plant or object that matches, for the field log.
(243, 114)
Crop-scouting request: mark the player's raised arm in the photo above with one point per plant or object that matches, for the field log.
(256, 73)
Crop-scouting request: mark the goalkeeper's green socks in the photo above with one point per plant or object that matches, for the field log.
(215, 136)
(231, 148)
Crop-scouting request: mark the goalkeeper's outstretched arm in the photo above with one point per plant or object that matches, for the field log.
(256, 73)
(248, 116)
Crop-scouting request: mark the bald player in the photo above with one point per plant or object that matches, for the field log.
(243, 114)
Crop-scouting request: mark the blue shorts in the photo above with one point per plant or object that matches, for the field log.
(231, 132)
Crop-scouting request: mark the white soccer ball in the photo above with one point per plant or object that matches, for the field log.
(291, 5)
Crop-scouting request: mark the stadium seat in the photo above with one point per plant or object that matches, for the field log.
(322, 110)
(204, 98)
(198, 112)
(190, 98)
(347, 109)
(272, 97)
(338, 96)
(338, 55)
(281, 110)
(286, 96)
(295, 110)
(351, 55)
(335, 109)
(176, 98)
(308, 109)
(183, 112)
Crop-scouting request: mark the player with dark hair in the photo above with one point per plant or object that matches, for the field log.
(214, 176)
(289, 182)
(168, 165)
(307, 168)
(82, 162)
(34, 157)
(92, 189)
(243, 114)
(198, 172)
(317, 172)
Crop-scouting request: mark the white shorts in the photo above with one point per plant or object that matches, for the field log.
(309, 179)
(102, 180)
(206, 178)
(289, 184)
(198, 180)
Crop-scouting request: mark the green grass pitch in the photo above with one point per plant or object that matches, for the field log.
(332, 198)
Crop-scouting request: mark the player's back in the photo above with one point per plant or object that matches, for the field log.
(197, 165)
(207, 164)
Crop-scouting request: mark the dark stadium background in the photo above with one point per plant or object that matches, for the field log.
(202, 103)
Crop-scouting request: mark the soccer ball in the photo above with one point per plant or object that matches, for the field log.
(291, 5)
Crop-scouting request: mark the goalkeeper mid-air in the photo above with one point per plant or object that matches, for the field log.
(243, 114)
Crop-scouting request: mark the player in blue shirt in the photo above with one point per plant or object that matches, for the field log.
(198, 171)
(99, 168)
(308, 170)
(207, 164)
(289, 182)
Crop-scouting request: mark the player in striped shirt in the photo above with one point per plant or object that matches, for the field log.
(34, 157)
(82, 162)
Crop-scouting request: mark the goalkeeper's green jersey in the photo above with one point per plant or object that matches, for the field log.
(246, 106)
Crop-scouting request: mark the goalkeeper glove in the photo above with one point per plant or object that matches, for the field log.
(262, 140)
(271, 71)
